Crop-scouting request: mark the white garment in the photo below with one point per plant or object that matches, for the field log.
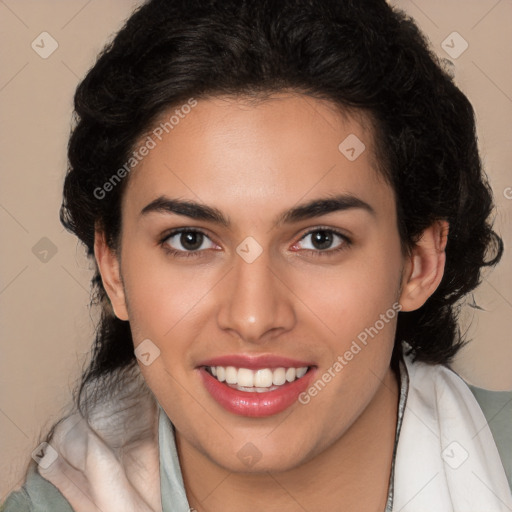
(110, 463)
(446, 459)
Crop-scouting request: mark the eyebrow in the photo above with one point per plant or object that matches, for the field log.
(309, 210)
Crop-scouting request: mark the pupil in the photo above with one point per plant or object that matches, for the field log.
(322, 239)
(191, 240)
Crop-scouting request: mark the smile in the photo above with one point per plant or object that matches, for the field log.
(256, 393)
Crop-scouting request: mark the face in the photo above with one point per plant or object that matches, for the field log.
(251, 241)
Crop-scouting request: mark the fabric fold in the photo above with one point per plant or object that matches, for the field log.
(446, 458)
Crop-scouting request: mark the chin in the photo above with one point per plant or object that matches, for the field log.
(255, 457)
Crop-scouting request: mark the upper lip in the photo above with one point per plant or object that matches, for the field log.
(255, 362)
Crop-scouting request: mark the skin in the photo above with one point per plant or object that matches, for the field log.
(254, 161)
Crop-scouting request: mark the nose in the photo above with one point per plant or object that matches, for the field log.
(255, 302)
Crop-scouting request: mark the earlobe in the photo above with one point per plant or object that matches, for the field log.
(424, 268)
(108, 265)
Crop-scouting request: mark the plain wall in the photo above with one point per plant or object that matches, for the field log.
(46, 327)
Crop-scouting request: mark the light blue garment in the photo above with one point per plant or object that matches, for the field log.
(174, 498)
(497, 408)
(36, 495)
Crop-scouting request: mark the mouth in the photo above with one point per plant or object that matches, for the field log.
(256, 392)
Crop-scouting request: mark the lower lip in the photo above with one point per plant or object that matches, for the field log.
(253, 404)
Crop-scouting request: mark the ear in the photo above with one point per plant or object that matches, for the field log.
(424, 267)
(108, 264)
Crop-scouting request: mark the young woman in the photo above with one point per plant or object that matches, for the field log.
(285, 203)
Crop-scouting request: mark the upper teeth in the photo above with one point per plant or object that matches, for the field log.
(263, 378)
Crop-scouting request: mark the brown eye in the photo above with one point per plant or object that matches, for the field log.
(186, 240)
(191, 240)
(323, 240)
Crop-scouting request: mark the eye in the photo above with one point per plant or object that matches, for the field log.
(187, 240)
(323, 240)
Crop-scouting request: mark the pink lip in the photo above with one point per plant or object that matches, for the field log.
(255, 362)
(253, 404)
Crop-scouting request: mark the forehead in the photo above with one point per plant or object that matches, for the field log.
(252, 156)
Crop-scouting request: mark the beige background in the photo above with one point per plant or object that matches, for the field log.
(46, 328)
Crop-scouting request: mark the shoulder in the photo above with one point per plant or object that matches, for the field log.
(36, 495)
(497, 408)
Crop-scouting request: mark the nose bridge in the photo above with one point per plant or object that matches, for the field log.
(255, 302)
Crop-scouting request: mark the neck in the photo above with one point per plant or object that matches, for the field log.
(353, 472)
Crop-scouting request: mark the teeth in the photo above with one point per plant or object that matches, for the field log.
(231, 375)
(301, 372)
(263, 378)
(291, 374)
(279, 376)
(256, 380)
(246, 378)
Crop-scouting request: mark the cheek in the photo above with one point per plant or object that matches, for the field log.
(352, 297)
(160, 294)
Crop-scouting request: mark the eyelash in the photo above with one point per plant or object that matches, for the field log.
(346, 242)
(175, 252)
(200, 253)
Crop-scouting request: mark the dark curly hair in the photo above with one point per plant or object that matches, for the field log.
(361, 56)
